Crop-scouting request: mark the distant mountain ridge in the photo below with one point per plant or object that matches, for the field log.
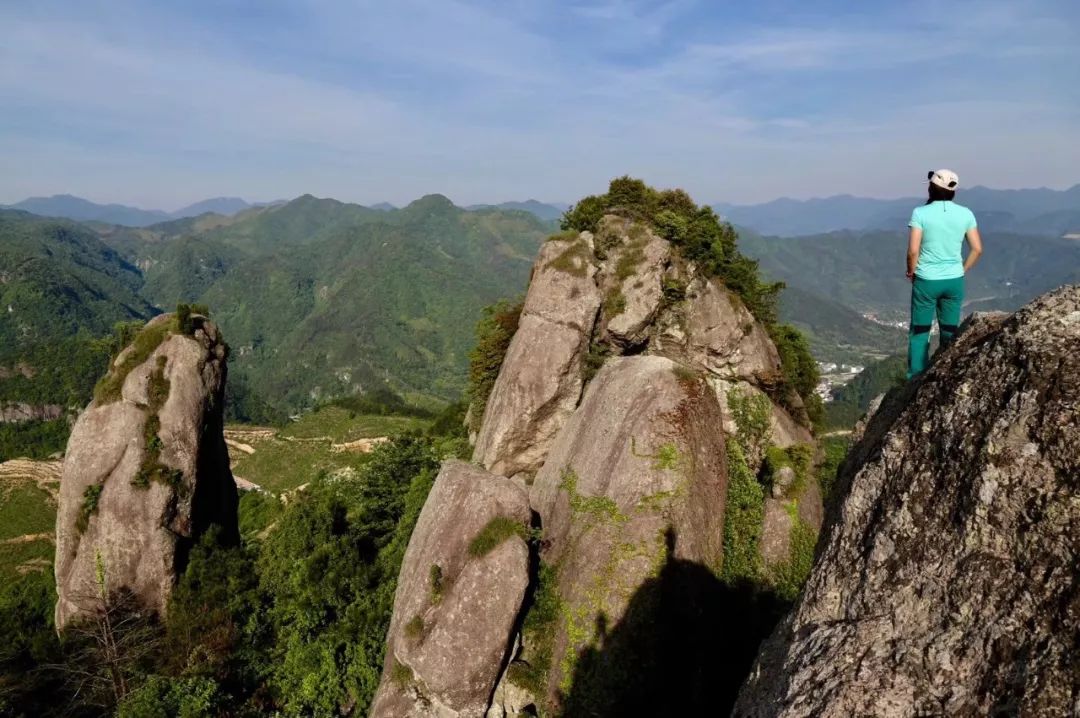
(68, 206)
(544, 210)
(1022, 211)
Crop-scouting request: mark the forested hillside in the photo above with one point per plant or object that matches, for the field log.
(865, 270)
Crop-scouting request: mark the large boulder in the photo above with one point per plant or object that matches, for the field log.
(631, 279)
(634, 484)
(540, 381)
(146, 470)
(462, 582)
(712, 329)
(949, 582)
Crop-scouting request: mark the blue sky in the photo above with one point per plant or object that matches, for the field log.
(158, 104)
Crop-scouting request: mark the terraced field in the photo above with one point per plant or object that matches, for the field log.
(28, 492)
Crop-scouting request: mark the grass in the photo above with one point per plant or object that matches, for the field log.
(13, 555)
(110, 386)
(614, 303)
(341, 425)
(799, 457)
(415, 627)
(494, 533)
(25, 509)
(401, 674)
(436, 577)
(573, 260)
(152, 469)
(279, 465)
(598, 507)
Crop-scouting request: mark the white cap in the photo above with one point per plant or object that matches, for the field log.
(945, 179)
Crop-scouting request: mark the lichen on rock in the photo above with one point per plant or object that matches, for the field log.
(948, 579)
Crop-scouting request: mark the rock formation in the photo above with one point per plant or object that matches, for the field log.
(459, 592)
(611, 414)
(949, 581)
(146, 469)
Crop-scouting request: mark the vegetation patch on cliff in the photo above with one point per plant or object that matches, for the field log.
(494, 332)
(494, 533)
(700, 237)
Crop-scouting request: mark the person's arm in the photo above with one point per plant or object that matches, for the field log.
(974, 248)
(913, 246)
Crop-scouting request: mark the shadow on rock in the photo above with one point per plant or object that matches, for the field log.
(685, 645)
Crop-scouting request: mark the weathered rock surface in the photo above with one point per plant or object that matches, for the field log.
(540, 381)
(632, 276)
(15, 412)
(949, 583)
(641, 465)
(713, 330)
(450, 630)
(139, 533)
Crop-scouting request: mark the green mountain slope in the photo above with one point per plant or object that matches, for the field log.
(320, 298)
(865, 270)
(58, 279)
(373, 304)
(835, 332)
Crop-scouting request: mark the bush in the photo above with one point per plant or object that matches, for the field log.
(493, 334)
(494, 533)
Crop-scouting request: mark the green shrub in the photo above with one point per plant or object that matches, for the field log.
(89, 506)
(789, 577)
(799, 366)
(436, 579)
(752, 414)
(493, 335)
(494, 533)
(743, 516)
(415, 627)
(538, 631)
(614, 303)
(835, 449)
(163, 697)
(109, 387)
(594, 359)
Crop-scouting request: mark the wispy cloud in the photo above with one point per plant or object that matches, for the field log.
(487, 100)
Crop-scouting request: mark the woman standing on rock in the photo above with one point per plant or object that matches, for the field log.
(936, 266)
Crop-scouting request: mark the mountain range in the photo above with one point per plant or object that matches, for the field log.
(1021, 211)
(82, 210)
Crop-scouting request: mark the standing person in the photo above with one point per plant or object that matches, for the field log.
(936, 266)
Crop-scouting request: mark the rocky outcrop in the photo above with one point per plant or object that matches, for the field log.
(146, 470)
(459, 592)
(949, 582)
(541, 379)
(14, 412)
(636, 478)
(611, 408)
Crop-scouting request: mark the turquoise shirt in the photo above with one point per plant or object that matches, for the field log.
(944, 225)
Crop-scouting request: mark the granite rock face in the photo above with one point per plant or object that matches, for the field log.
(541, 380)
(949, 580)
(146, 471)
(636, 479)
(456, 601)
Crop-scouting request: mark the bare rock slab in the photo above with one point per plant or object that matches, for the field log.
(457, 598)
(949, 582)
(636, 478)
(540, 382)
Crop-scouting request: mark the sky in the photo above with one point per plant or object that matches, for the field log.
(159, 104)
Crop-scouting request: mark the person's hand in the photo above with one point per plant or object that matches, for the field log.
(910, 276)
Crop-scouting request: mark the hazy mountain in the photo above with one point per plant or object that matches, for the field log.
(383, 206)
(218, 205)
(865, 270)
(545, 211)
(79, 209)
(1026, 211)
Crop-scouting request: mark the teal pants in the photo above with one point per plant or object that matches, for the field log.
(930, 297)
